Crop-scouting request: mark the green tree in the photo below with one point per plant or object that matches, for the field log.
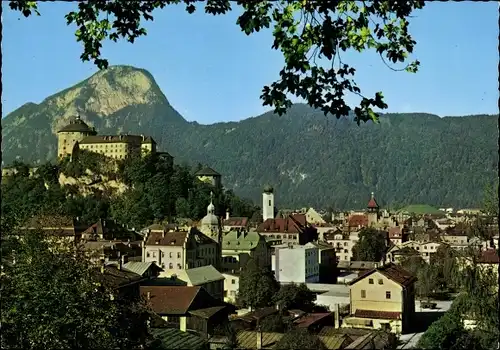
(257, 286)
(274, 323)
(303, 31)
(427, 281)
(371, 245)
(447, 333)
(52, 299)
(293, 296)
(299, 339)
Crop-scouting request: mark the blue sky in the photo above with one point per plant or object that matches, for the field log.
(210, 71)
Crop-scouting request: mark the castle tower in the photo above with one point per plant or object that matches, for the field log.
(372, 211)
(268, 203)
(68, 136)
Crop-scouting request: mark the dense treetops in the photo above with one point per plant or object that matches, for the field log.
(157, 191)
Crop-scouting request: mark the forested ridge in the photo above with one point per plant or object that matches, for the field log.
(310, 160)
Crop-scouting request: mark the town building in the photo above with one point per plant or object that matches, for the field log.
(327, 260)
(239, 246)
(77, 135)
(293, 229)
(382, 298)
(297, 263)
(175, 251)
(210, 225)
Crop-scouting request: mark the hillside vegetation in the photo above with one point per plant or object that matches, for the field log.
(309, 159)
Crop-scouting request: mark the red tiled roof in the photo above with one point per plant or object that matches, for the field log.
(395, 232)
(392, 271)
(172, 300)
(358, 220)
(284, 225)
(489, 256)
(372, 204)
(310, 319)
(384, 315)
(236, 221)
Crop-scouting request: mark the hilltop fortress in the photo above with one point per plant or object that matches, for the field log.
(78, 135)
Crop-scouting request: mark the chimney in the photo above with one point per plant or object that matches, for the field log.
(259, 338)
(163, 234)
(148, 295)
(227, 214)
(337, 315)
(124, 260)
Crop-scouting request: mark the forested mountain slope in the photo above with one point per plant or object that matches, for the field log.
(311, 160)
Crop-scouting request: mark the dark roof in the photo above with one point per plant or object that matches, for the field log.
(172, 338)
(116, 139)
(207, 312)
(392, 271)
(259, 314)
(310, 319)
(177, 238)
(77, 125)
(207, 171)
(235, 221)
(284, 225)
(384, 315)
(489, 256)
(173, 238)
(117, 278)
(358, 220)
(178, 300)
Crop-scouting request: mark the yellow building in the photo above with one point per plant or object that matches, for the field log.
(78, 135)
(382, 298)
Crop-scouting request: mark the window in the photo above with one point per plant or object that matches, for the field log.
(269, 202)
(363, 293)
(370, 281)
(179, 266)
(154, 254)
(170, 255)
(345, 251)
(147, 254)
(178, 255)
(233, 281)
(162, 254)
(380, 281)
(388, 295)
(170, 266)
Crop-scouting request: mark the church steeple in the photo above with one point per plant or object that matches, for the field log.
(211, 206)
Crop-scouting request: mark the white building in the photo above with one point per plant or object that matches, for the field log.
(298, 264)
(231, 287)
(268, 203)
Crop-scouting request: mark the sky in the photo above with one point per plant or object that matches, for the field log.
(211, 72)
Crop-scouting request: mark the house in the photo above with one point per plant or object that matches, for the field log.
(313, 217)
(239, 246)
(66, 228)
(293, 229)
(357, 222)
(104, 229)
(175, 251)
(313, 322)
(147, 270)
(424, 249)
(298, 264)
(382, 298)
(187, 308)
(327, 262)
(231, 286)
(234, 223)
(397, 235)
(341, 242)
(207, 277)
(123, 282)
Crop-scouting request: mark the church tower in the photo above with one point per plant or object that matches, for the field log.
(372, 211)
(210, 223)
(268, 203)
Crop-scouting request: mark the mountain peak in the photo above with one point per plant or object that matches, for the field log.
(108, 91)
